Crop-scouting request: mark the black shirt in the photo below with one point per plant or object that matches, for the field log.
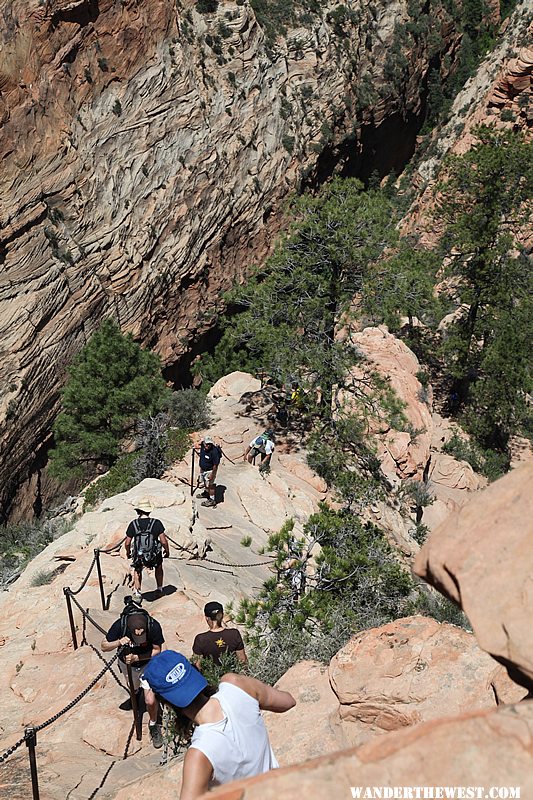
(214, 643)
(154, 636)
(144, 523)
(209, 458)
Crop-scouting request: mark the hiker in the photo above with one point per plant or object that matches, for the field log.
(140, 637)
(210, 456)
(261, 445)
(218, 639)
(149, 546)
(230, 740)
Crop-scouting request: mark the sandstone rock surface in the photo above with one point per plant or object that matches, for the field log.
(409, 671)
(485, 749)
(482, 558)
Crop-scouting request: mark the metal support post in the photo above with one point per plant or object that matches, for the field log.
(100, 581)
(30, 735)
(66, 592)
(192, 472)
(134, 705)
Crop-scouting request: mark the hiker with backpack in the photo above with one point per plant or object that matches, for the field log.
(146, 544)
(230, 740)
(139, 637)
(210, 456)
(262, 445)
(218, 639)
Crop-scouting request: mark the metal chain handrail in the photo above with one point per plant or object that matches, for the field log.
(78, 697)
(223, 563)
(59, 714)
(88, 616)
(220, 563)
(93, 562)
(113, 673)
(115, 546)
(11, 749)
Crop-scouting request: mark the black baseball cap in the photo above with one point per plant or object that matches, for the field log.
(212, 609)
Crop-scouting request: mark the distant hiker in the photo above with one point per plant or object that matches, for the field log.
(210, 457)
(230, 740)
(218, 639)
(149, 545)
(261, 445)
(141, 638)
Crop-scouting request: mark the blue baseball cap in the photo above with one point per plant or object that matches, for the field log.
(172, 676)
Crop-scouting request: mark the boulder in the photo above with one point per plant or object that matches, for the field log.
(410, 671)
(482, 558)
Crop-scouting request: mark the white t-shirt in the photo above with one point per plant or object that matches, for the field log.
(267, 447)
(238, 745)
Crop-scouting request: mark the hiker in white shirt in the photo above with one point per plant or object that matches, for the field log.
(230, 740)
(263, 446)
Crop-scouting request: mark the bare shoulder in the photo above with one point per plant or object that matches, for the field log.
(249, 685)
(269, 698)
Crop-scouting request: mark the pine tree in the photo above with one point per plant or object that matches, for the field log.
(487, 350)
(111, 382)
(288, 313)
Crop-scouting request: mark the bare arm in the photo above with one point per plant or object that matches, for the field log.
(108, 646)
(164, 542)
(241, 656)
(197, 772)
(127, 545)
(269, 699)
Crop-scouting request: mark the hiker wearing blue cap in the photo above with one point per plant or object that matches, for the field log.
(230, 740)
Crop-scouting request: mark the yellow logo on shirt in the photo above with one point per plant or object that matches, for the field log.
(220, 642)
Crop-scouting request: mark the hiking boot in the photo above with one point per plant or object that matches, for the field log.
(156, 735)
(209, 503)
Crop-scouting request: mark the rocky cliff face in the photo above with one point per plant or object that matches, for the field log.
(145, 151)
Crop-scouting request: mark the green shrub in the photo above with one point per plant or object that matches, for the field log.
(485, 461)
(22, 541)
(206, 6)
(43, 576)
(246, 541)
(120, 478)
(188, 409)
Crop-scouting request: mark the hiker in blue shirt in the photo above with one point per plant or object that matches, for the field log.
(149, 546)
(210, 456)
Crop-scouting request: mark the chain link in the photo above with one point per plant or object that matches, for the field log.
(76, 699)
(59, 714)
(93, 562)
(12, 749)
(115, 547)
(223, 564)
(219, 563)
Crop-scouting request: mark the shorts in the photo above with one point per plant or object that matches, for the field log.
(136, 675)
(255, 452)
(207, 478)
(138, 566)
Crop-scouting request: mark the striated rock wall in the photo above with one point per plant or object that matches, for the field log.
(145, 151)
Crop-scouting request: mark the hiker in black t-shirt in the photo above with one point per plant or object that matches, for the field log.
(140, 637)
(218, 639)
(210, 456)
(149, 546)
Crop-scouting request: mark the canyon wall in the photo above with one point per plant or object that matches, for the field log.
(146, 150)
